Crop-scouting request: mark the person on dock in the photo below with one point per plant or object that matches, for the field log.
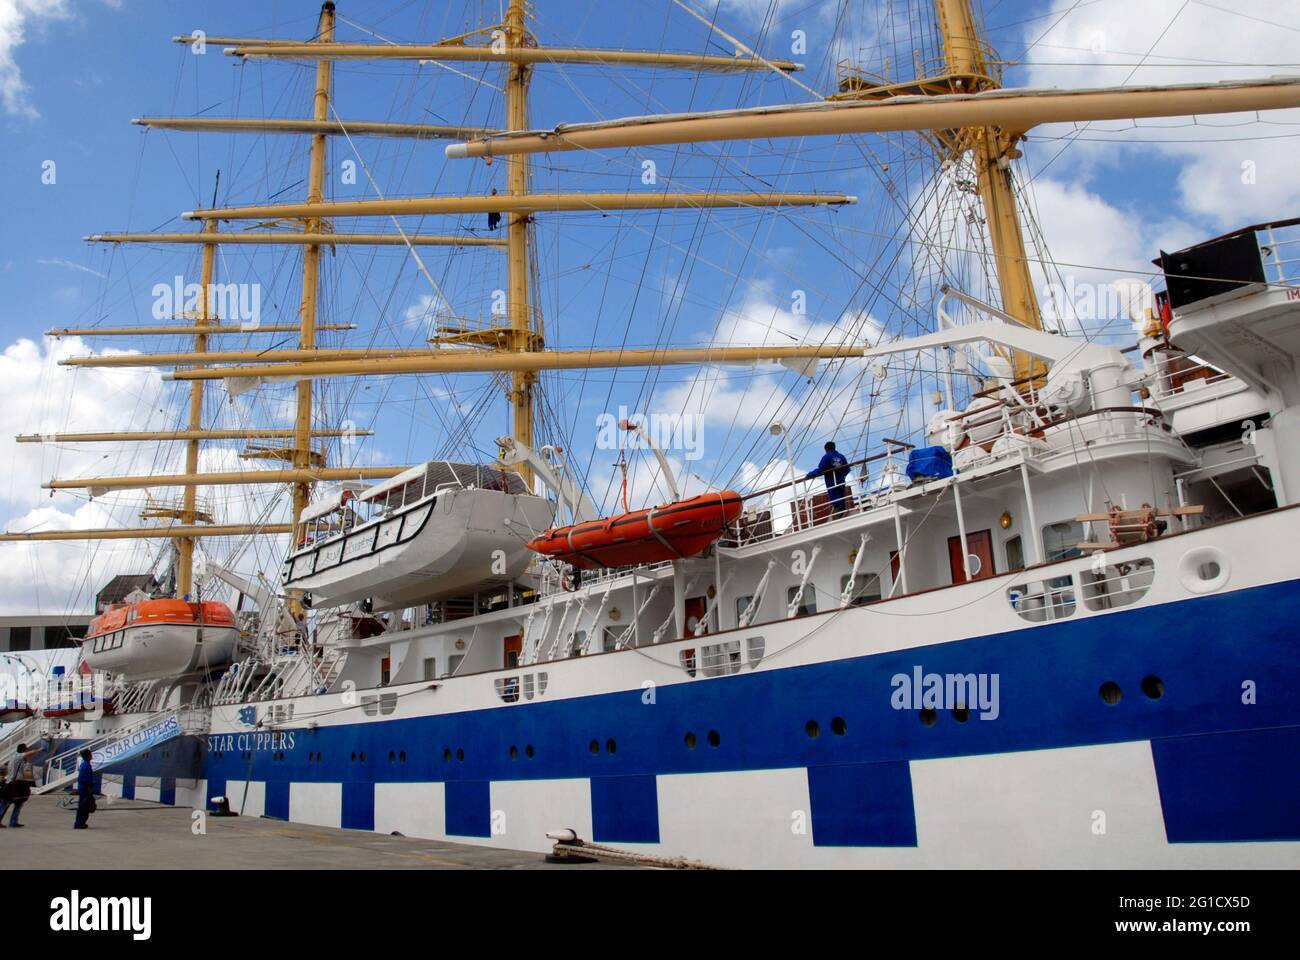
(19, 787)
(834, 468)
(85, 792)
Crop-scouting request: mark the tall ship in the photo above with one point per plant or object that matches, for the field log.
(1035, 605)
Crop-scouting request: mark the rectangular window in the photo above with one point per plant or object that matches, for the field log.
(1015, 554)
(576, 642)
(866, 588)
(742, 604)
(20, 638)
(610, 640)
(431, 668)
(454, 662)
(807, 604)
(1061, 540)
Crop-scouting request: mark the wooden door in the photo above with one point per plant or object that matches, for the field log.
(980, 546)
(695, 609)
(514, 646)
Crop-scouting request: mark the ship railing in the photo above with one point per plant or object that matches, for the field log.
(64, 764)
(1182, 375)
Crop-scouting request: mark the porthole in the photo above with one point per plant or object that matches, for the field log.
(714, 739)
(1110, 693)
(401, 756)
(928, 717)
(514, 753)
(354, 756)
(460, 753)
(961, 714)
(1153, 687)
(838, 726)
(392, 757)
(594, 746)
(690, 741)
(1204, 570)
(363, 756)
(528, 751)
(812, 729)
(610, 745)
(446, 754)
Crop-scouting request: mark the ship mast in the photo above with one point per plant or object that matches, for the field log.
(522, 340)
(302, 454)
(185, 545)
(993, 148)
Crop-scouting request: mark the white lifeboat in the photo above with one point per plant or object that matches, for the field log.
(166, 637)
(435, 531)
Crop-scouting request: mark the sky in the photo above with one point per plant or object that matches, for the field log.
(1105, 199)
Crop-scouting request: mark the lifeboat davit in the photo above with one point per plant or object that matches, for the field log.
(160, 638)
(674, 531)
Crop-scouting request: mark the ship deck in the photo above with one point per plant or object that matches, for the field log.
(137, 834)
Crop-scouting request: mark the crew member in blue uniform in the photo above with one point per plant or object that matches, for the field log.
(834, 468)
(85, 792)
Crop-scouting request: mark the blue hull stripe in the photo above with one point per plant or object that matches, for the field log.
(358, 806)
(468, 808)
(1230, 787)
(625, 809)
(862, 805)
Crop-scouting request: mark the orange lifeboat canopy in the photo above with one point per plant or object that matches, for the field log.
(674, 531)
(161, 611)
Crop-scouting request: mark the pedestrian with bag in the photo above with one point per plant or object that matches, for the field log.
(20, 785)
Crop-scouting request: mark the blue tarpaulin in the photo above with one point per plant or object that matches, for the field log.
(929, 463)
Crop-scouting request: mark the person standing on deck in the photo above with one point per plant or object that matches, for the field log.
(834, 467)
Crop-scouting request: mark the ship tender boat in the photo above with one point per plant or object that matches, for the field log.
(438, 530)
(151, 639)
(674, 531)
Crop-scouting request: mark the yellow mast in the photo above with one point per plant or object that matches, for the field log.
(185, 545)
(302, 449)
(520, 311)
(993, 149)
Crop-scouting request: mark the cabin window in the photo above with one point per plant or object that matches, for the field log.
(742, 604)
(431, 668)
(1113, 585)
(1039, 601)
(1015, 548)
(1061, 540)
(385, 671)
(577, 640)
(866, 588)
(755, 646)
(508, 689)
(609, 642)
(717, 659)
(807, 604)
(454, 662)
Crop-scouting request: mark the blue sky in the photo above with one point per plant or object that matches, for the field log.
(72, 75)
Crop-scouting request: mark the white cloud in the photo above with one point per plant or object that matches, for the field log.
(37, 396)
(16, 17)
(1241, 179)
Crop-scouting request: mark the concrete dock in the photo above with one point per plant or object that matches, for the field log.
(136, 834)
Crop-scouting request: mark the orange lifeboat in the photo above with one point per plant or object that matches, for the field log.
(160, 637)
(670, 532)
